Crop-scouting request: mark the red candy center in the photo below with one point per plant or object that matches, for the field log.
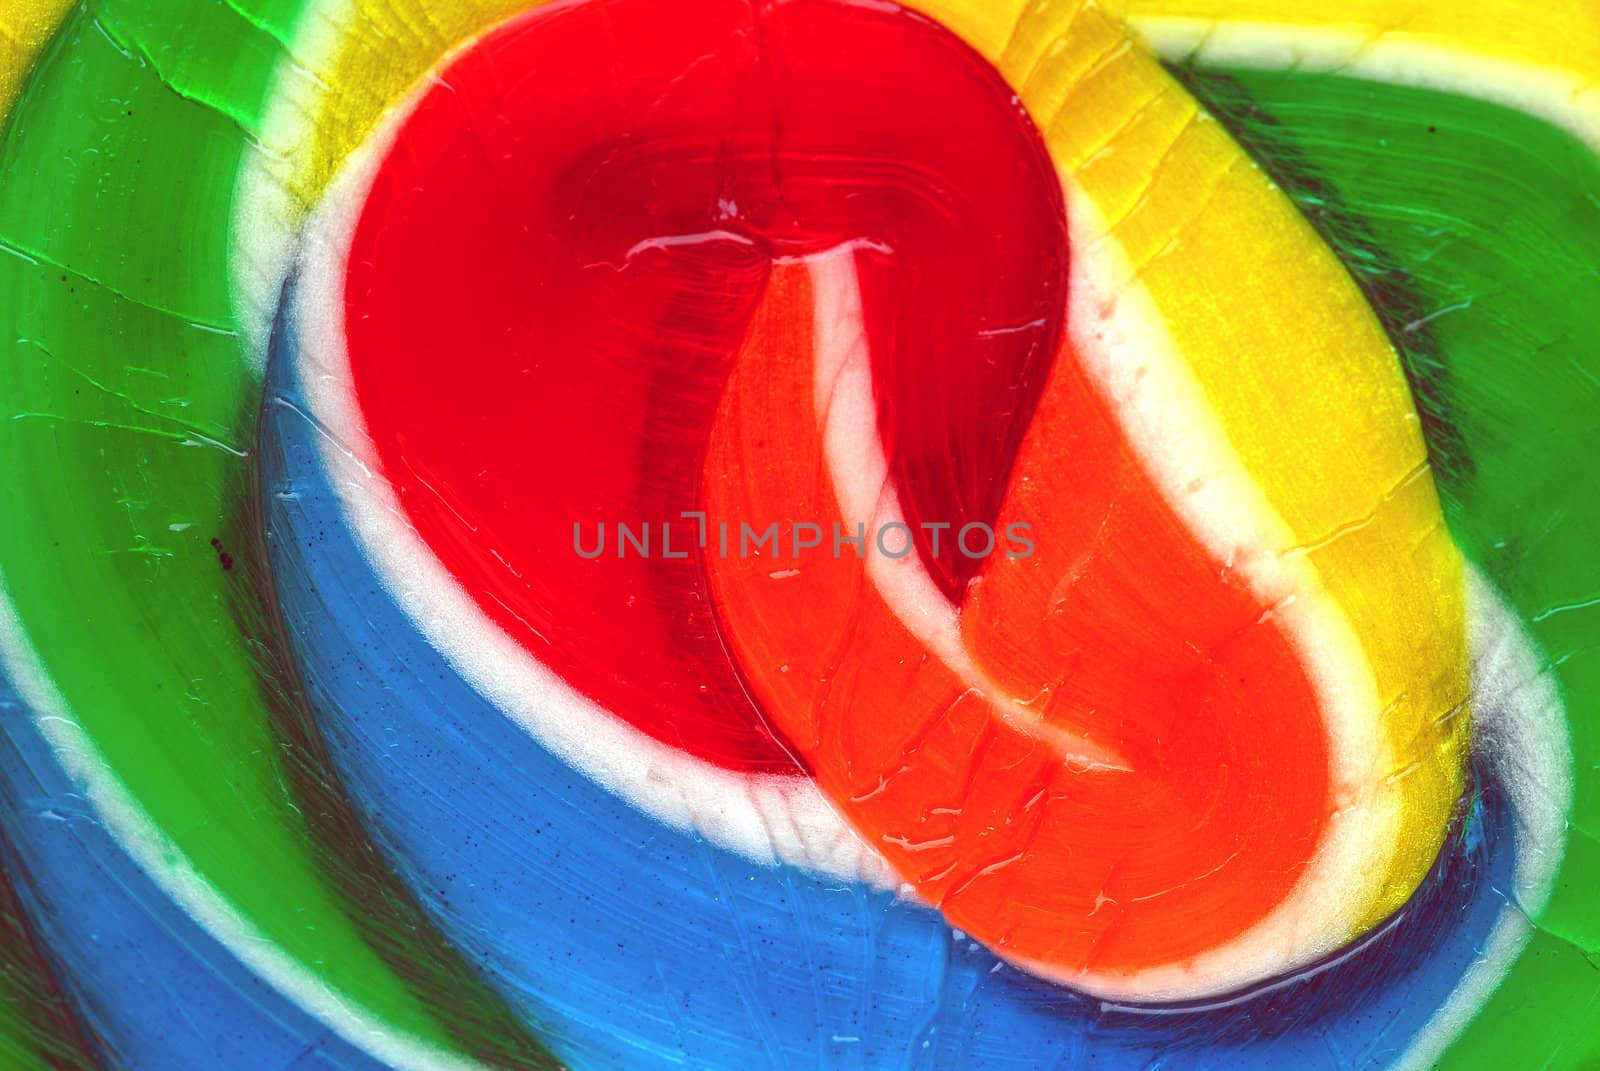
(559, 260)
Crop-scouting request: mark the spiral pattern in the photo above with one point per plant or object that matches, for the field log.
(1256, 731)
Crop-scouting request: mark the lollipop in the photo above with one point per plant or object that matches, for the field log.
(821, 534)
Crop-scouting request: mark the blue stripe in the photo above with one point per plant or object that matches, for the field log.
(151, 987)
(629, 945)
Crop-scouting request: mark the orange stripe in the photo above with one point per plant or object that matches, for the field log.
(1117, 627)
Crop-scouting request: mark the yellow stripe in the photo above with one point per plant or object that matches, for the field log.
(26, 26)
(1552, 34)
(377, 50)
(1542, 59)
(1292, 361)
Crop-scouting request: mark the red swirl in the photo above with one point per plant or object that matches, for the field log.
(556, 266)
(573, 297)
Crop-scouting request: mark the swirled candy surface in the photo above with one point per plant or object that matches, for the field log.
(812, 533)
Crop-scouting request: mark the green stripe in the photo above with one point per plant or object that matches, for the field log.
(128, 448)
(37, 1030)
(1475, 232)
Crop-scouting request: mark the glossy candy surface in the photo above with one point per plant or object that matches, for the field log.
(1256, 732)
